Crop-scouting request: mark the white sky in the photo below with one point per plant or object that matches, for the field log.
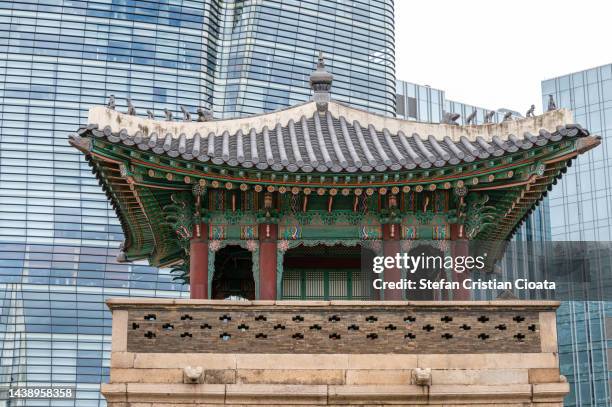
(495, 53)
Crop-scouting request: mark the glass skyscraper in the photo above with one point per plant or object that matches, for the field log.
(58, 235)
(581, 209)
(267, 49)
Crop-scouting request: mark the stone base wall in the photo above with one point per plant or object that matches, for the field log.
(172, 377)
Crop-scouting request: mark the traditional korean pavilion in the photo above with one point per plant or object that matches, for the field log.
(279, 205)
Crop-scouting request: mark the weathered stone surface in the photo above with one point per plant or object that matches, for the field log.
(480, 376)
(514, 393)
(122, 359)
(267, 394)
(489, 361)
(180, 360)
(288, 361)
(550, 392)
(119, 337)
(381, 377)
(176, 393)
(220, 376)
(374, 361)
(367, 394)
(548, 331)
(551, 375)
(290, 376)
(146, 375)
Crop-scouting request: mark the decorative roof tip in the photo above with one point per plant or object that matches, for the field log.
(321, 82)
(80, 143)
(551, 103)
(204, 114)
(531, 111)
(450, 118)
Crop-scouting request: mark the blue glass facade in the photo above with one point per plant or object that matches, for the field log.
(58, 235)
(580, 209)
(268, 51)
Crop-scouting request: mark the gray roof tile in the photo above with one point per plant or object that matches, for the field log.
(325, 143)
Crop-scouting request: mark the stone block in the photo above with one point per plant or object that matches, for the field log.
(548, 331)
(376, 361)
(544, 375)
(377, 394)
(146, 375)
(294, 376)
(550, 392)
(482, 377)
(476, 394)
(379, 377)
(122, 360)
(274, 394)
(177, 393)
(291, 361)
(488, 361)
(119, 331)
(220, 376)
(181, 360)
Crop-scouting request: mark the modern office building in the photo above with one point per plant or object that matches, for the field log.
(581, 209)
(58, 235)
(266, 53)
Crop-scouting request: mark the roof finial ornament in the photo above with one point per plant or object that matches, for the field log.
(551, 103)
(186, 114)
(168, 115)
(150, 114)
(321, 82)
(204, 114)
(111, 102)
(488, 118)
(507, 116)
(131, 109)
(471, 117)
(450, 118)
(531, 111)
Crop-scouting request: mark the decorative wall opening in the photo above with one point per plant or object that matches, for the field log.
(233, 274)
(432, 271)
(326, 273)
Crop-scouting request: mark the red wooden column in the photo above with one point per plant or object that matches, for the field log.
(391, 247)
(198, 262)
(459, 247)
(268, 234)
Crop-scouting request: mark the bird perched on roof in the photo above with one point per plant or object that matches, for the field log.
(131, 109)
(204, 114)
(530, 112)
(450, 118)
(186, 114)
(168, 114)
(150, 114)
(551, 103)
(489, 116)
(471, 117)
(111, 102)
(507, 116)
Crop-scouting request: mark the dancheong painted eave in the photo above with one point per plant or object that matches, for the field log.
(333, 153)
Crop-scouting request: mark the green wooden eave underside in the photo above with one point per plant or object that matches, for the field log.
(141, 184)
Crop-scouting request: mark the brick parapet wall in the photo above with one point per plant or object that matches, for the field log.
(374, 371)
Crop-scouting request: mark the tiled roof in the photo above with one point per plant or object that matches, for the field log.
(302, 139)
